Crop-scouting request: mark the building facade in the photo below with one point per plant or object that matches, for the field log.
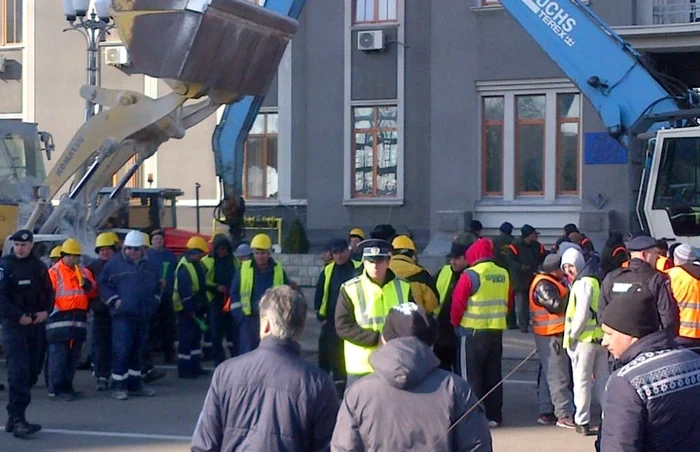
(459, 115)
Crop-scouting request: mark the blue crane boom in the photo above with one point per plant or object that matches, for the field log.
(231, 134)
(624, 90)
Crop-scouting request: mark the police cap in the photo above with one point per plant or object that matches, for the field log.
(375, 248)
(23, 235)
(641, 243)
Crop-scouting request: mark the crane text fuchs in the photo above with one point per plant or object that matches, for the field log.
(555, 17)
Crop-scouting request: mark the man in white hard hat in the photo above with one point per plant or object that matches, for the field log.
(129, 285)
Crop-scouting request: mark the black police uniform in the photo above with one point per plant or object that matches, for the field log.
(622, 281)
(25, 289)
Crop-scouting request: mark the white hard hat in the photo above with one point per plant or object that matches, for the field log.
(134, 239)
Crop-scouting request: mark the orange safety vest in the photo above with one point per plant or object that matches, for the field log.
(686, 290)
(67, 282)
(543, 322)
(663, 263)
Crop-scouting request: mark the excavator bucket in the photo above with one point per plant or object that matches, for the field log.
(228, 48)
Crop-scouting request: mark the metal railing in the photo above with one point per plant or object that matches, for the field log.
(667, 12)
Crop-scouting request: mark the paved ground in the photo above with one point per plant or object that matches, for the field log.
(165, 422)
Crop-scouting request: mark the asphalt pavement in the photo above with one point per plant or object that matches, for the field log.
(165, 422)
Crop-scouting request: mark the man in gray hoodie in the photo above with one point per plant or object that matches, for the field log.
(583, 337)
(409, 403)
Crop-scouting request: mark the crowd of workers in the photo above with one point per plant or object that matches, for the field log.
(636, 300)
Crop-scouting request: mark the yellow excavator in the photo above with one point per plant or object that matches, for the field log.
(209, 52)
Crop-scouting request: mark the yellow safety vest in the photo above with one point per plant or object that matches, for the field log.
(371, 306)
(177, 301)
(593, 330)
(327, 274)
(488, 307)
(247, 276)
(209, 263)
(443, 283)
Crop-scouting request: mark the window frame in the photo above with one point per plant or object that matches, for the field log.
(376, 19)
(559, 151)
(18, 18)
(375, 154)
(517, 122)
(484, 142)
(265, 135)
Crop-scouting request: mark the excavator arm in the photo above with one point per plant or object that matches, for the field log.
(228, 141)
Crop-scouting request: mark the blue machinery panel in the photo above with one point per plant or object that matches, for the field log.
(602, 149)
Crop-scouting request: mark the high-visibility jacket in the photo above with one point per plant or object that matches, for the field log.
(686, 290)
(663, 263)
(247, 278)
(209, 264)
(593, 331)
(68, 321)
(371, 304)
(327, 275)
(488, 307)
(545, 323)
(422, 285)
(194, 280)
(443, 285)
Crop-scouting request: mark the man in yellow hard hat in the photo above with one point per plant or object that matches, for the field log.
(66, 328)
(249, 285)
(101, 320)
(356, 236)
(403, 264)
(363, 304)
(190, 302)
(55, 254)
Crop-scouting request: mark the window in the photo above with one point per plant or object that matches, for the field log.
(374, 152)
(529, 144)
(260, 178)
(492, 145)
(375, 11)
(568, 138)
(11, 24)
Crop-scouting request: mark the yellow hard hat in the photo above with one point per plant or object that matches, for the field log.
(358, 232)
(114, 236)
(197, 243)
(104, 240)
(55, 252)
(261, 242)
(146, 239)
(72, 247)
(403, 242)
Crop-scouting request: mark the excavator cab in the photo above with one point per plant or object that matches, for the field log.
(672, 203)
(146, 209)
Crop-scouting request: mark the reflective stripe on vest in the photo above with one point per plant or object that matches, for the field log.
(327, 275)
(488, 307)
(194, 277)
(68, 295)
(66, 324)
(371, 305)
(544, 323)
(619, 249)
(592, 331)
(686, 290)
(247, 277)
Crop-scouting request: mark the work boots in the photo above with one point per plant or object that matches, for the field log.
(21, 428)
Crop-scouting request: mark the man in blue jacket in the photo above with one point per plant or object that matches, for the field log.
(164, 319)
(271, 398)
(129, 285)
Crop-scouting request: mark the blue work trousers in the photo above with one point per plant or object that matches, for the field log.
(128, 339)
(189, 348)
(221, 327)
(63, 361)
(102, 345)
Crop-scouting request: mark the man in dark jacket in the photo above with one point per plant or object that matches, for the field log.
(651, 402)
(334, 275)
(641, 272)
(164, 320)
(129, 285)
(501, 245)
(388, 409)
(525, 256)
(614, 254)
(270, 398)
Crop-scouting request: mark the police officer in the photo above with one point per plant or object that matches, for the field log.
(641, 271)
(25, 300)
(363, 304)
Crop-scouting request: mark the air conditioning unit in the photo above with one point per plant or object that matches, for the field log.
(117, 56)
(370, 40)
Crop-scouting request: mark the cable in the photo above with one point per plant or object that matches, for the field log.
(478, 402)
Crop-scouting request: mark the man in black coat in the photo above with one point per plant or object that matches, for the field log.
(270, 398)
(651, 401)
